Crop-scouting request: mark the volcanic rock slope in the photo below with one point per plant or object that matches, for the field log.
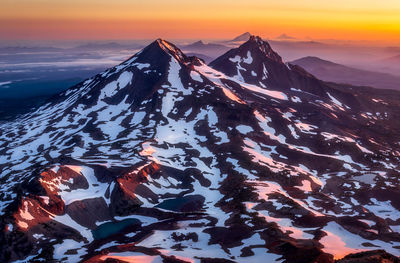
(166, 159)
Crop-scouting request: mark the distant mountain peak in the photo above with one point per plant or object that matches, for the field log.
(200, 42)
(285, 37)
(205, 47)
(242, 37)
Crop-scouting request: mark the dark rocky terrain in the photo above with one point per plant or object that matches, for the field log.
(377, 256)
(166, 159)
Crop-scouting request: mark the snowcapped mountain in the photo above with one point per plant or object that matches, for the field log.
(166, 159)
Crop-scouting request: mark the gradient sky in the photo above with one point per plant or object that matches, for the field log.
(141, 19)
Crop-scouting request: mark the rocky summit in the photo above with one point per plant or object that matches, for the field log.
(164, 158)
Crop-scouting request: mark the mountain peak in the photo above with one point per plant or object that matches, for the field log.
(285, 37)
(200, 42)
(170, 48)
(255, 38)
(243, 37)
(160, 50)
(265, 47)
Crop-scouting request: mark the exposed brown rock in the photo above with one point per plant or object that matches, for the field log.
(123, 198)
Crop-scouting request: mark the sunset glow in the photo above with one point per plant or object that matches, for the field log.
(122, 19)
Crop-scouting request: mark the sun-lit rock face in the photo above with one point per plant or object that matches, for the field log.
(165, 158)
(55, 183)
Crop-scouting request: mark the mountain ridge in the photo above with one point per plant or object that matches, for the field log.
(334, 72)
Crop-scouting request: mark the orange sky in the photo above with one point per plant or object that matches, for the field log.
(140, 19)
